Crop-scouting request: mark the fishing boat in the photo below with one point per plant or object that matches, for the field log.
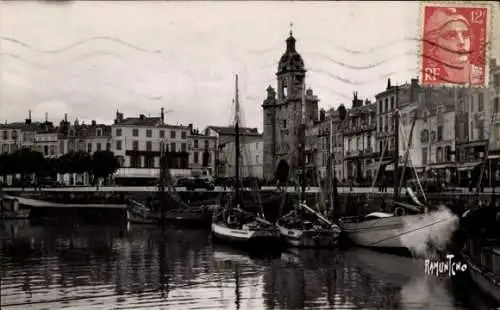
(303, 226)
(388, 230)
(170, 208)
(232, 223)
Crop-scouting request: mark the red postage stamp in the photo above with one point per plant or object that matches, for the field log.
(454, 44)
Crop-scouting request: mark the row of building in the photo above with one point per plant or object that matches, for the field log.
(138, 143)
(454, 128)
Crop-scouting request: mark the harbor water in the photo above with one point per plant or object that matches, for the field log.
(78, 266)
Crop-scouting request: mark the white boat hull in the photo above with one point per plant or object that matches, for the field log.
(309, 238)
(380, 233)
(226, 233)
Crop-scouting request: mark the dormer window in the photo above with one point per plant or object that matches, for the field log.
(99, 132)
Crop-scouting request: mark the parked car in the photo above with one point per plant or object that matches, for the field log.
(193, 183)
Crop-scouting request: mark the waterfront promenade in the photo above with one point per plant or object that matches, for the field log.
(290, 189)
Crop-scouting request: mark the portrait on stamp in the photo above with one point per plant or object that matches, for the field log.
(454, 45)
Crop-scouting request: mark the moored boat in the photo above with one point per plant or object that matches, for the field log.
(232, 223)
(243, 228)
(299, 229)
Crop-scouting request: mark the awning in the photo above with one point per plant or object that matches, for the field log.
(468, 166)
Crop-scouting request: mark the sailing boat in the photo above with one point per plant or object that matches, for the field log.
(178, 212)
(383, 230)
(303, 226)
(234, 224)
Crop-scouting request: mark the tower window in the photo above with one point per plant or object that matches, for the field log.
(284, 123)
(285, 91)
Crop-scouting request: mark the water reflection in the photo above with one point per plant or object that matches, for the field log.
(95, 267)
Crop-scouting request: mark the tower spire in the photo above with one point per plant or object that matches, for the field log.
(291, 28)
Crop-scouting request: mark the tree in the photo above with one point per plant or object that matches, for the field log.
(80, 162)
(103, 164)
(6, 165)
(27, 161)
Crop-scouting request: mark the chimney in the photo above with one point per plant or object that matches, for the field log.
(414, 90)
(388, 83)
(322, 114)
(94, 123)
(142, 117)
(46, 117)
(162, 115)
(28, 120)
(66, 117)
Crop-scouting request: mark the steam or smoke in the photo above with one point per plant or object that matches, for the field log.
(430, 232)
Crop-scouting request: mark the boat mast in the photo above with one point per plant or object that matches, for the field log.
(302, 138)
(396, 144)
(163, 166)
(237, 140)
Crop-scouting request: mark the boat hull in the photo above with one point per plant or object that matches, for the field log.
(244, 237)
(381, 233)
(309, 238)
(176, 218)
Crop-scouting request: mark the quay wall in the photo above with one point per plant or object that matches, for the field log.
(354, 202)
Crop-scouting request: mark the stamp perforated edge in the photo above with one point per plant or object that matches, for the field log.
(489, 37)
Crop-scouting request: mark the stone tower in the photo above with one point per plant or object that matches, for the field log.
(282, 111)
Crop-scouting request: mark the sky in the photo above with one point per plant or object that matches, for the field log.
(90, 59)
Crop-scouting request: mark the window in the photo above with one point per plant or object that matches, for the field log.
(439, 155)
(284, 123)
(14, 135)
(206, 144)
(118, 145)
(447, 153)
(98, 145)
(480, 102)
(108, 146)
(135, 132)
(89, 147)
(149, 146)
(172, 146)
(481, 130)
(5, 135)
(45, 150)
(496, 105)
(183, 147)
(183, 135)
(461, 131)
(149, 133)
(118, 132)
(424, 156)
(386, 103)
(471, 103)
(162, 133)
(472, 131)
(135, 145)
(380, 107)
(195, 144)
(135, 161)
(172, 134)
(149, 162)
(99, 132)
(52, 149)
(195, 157)
(392, 103)
(440, 133)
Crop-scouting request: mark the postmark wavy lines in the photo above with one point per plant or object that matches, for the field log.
(78, 43)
